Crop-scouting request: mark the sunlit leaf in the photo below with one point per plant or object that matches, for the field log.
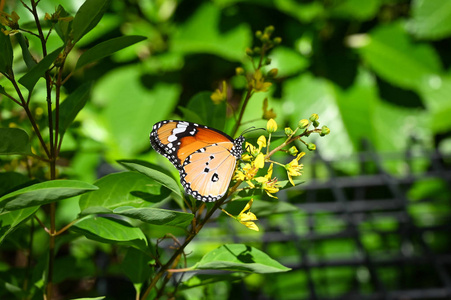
(43, 193)
(431, 19)
(111, 231)
(386, 53)
(130, 108)
(201, 34)
(239, 258)
(156, 216)
(122, 189)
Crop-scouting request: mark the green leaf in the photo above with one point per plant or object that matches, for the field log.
(26, 55)
(122, 189)
(9, 220)
(386, 52)
(14, 141)
(10, 181)
(201, 34)
(31, 77)
(212, 115)
(136, 265)
(156, 216)
(239, 258)
(43, 193)
(107, 48)
(6, 50)
(287, 61)
(430, 19)
(131, 104)
(87, 17)
(111, 231)
(72, 105)
(356, 9)
(159, 177)
(63, 27)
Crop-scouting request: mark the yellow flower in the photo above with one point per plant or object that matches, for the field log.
(257, 82)
(218, 96)
(9, 20)
(261, 142)
(259, 161)
(247, 173)
(270, 186)
(246, 218)
(294, 168)
(271, 126)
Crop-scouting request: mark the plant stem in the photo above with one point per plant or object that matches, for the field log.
(246, 100)
(179, 251)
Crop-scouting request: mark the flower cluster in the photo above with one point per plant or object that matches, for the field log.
(256, 156)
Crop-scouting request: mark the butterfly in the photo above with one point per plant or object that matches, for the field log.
(205, 157)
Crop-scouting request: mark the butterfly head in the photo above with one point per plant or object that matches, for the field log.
(237, 149)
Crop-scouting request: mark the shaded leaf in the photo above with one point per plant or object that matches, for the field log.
(239, 258)
(43, 193)
(32, 76)
(26, 55)
(72, 105)
(136, 266)
(14, 141)
(156, 216)
(87, 17)
(111, 231)
(116, 190)
(107, 48)
(9, 220)
(63, 26)
(212, 115)
(159, 177)
(6, 50)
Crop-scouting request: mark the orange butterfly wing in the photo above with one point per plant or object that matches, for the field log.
(205, 157)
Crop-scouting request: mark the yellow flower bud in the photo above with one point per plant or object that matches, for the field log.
(277, 40)
(293, 150)
(271, 126)
(239, 71)
(258, 34)
(311, 147)
(269, 30)
(303, 123)
(314, 117)
(273, 73)
(288, 131)
(324, 131)
(249, 52)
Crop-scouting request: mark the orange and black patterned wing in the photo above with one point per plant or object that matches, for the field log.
(205, 157)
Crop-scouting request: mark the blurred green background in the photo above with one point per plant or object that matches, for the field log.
(373, 217)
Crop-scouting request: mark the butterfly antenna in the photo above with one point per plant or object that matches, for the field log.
(250, 129)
